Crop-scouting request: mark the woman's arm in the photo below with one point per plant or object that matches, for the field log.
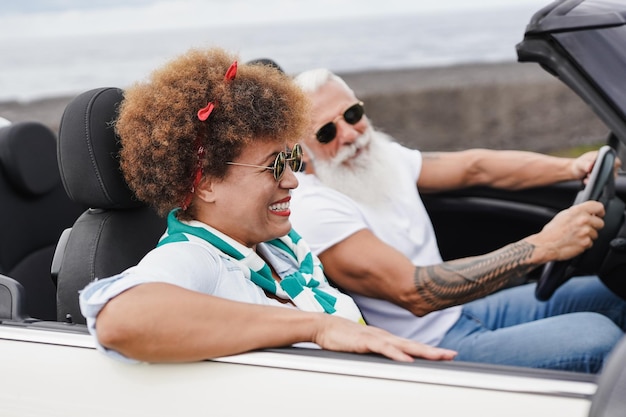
(158, 322)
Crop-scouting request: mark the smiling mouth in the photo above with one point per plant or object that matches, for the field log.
(281, 207)
(357, 152)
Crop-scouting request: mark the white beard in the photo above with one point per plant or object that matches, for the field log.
(369, 178)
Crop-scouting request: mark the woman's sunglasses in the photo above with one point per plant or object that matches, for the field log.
(352, 115)
(293, 158)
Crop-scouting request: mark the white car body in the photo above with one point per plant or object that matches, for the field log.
(61, 373)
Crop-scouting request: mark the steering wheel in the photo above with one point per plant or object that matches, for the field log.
(600, 187)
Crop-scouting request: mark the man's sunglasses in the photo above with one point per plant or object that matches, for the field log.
(293, 158)
(352, 115)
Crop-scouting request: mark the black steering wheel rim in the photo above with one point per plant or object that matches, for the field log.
(600, 187)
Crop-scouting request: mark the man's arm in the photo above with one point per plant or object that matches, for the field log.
(364, 264)
(500, 169)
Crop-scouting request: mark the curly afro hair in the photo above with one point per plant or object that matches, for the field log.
(160, 132)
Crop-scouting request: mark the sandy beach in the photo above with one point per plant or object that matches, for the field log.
(499, 106)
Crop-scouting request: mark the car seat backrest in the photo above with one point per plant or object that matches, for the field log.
(34, 210)
(117, 230)
(12, 300)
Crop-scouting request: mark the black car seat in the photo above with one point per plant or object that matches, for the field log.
(34, 210)
(117, 230)
(12, 300)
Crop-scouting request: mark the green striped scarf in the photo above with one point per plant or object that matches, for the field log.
(301, 287)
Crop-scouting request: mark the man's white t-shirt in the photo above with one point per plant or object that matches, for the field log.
(325, 217)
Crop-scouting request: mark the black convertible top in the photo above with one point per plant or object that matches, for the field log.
(576, 15)
(583, 43)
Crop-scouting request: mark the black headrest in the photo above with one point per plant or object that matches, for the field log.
(88, 151)
(28, 157)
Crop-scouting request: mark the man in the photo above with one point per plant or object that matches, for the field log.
(360, 210)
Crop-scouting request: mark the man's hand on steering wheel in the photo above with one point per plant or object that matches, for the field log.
(583, 165)
(599, 192)
(570, 232)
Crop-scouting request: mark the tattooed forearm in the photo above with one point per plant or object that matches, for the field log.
(457, 282)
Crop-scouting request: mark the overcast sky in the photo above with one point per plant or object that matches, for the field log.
(273, 7)
(36, 18)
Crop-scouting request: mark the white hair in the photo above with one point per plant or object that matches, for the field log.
(369, 178)
(312, 80)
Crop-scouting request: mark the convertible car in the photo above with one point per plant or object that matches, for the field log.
(49, 365)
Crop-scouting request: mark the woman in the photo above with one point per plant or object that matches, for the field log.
(206, 142)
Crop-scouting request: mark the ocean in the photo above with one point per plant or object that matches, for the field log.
(97, 51)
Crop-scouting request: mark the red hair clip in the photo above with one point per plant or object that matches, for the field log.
(203, 115)
(205, 112)
(232, 71)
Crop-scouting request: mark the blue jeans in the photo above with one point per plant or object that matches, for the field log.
(575, 330)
